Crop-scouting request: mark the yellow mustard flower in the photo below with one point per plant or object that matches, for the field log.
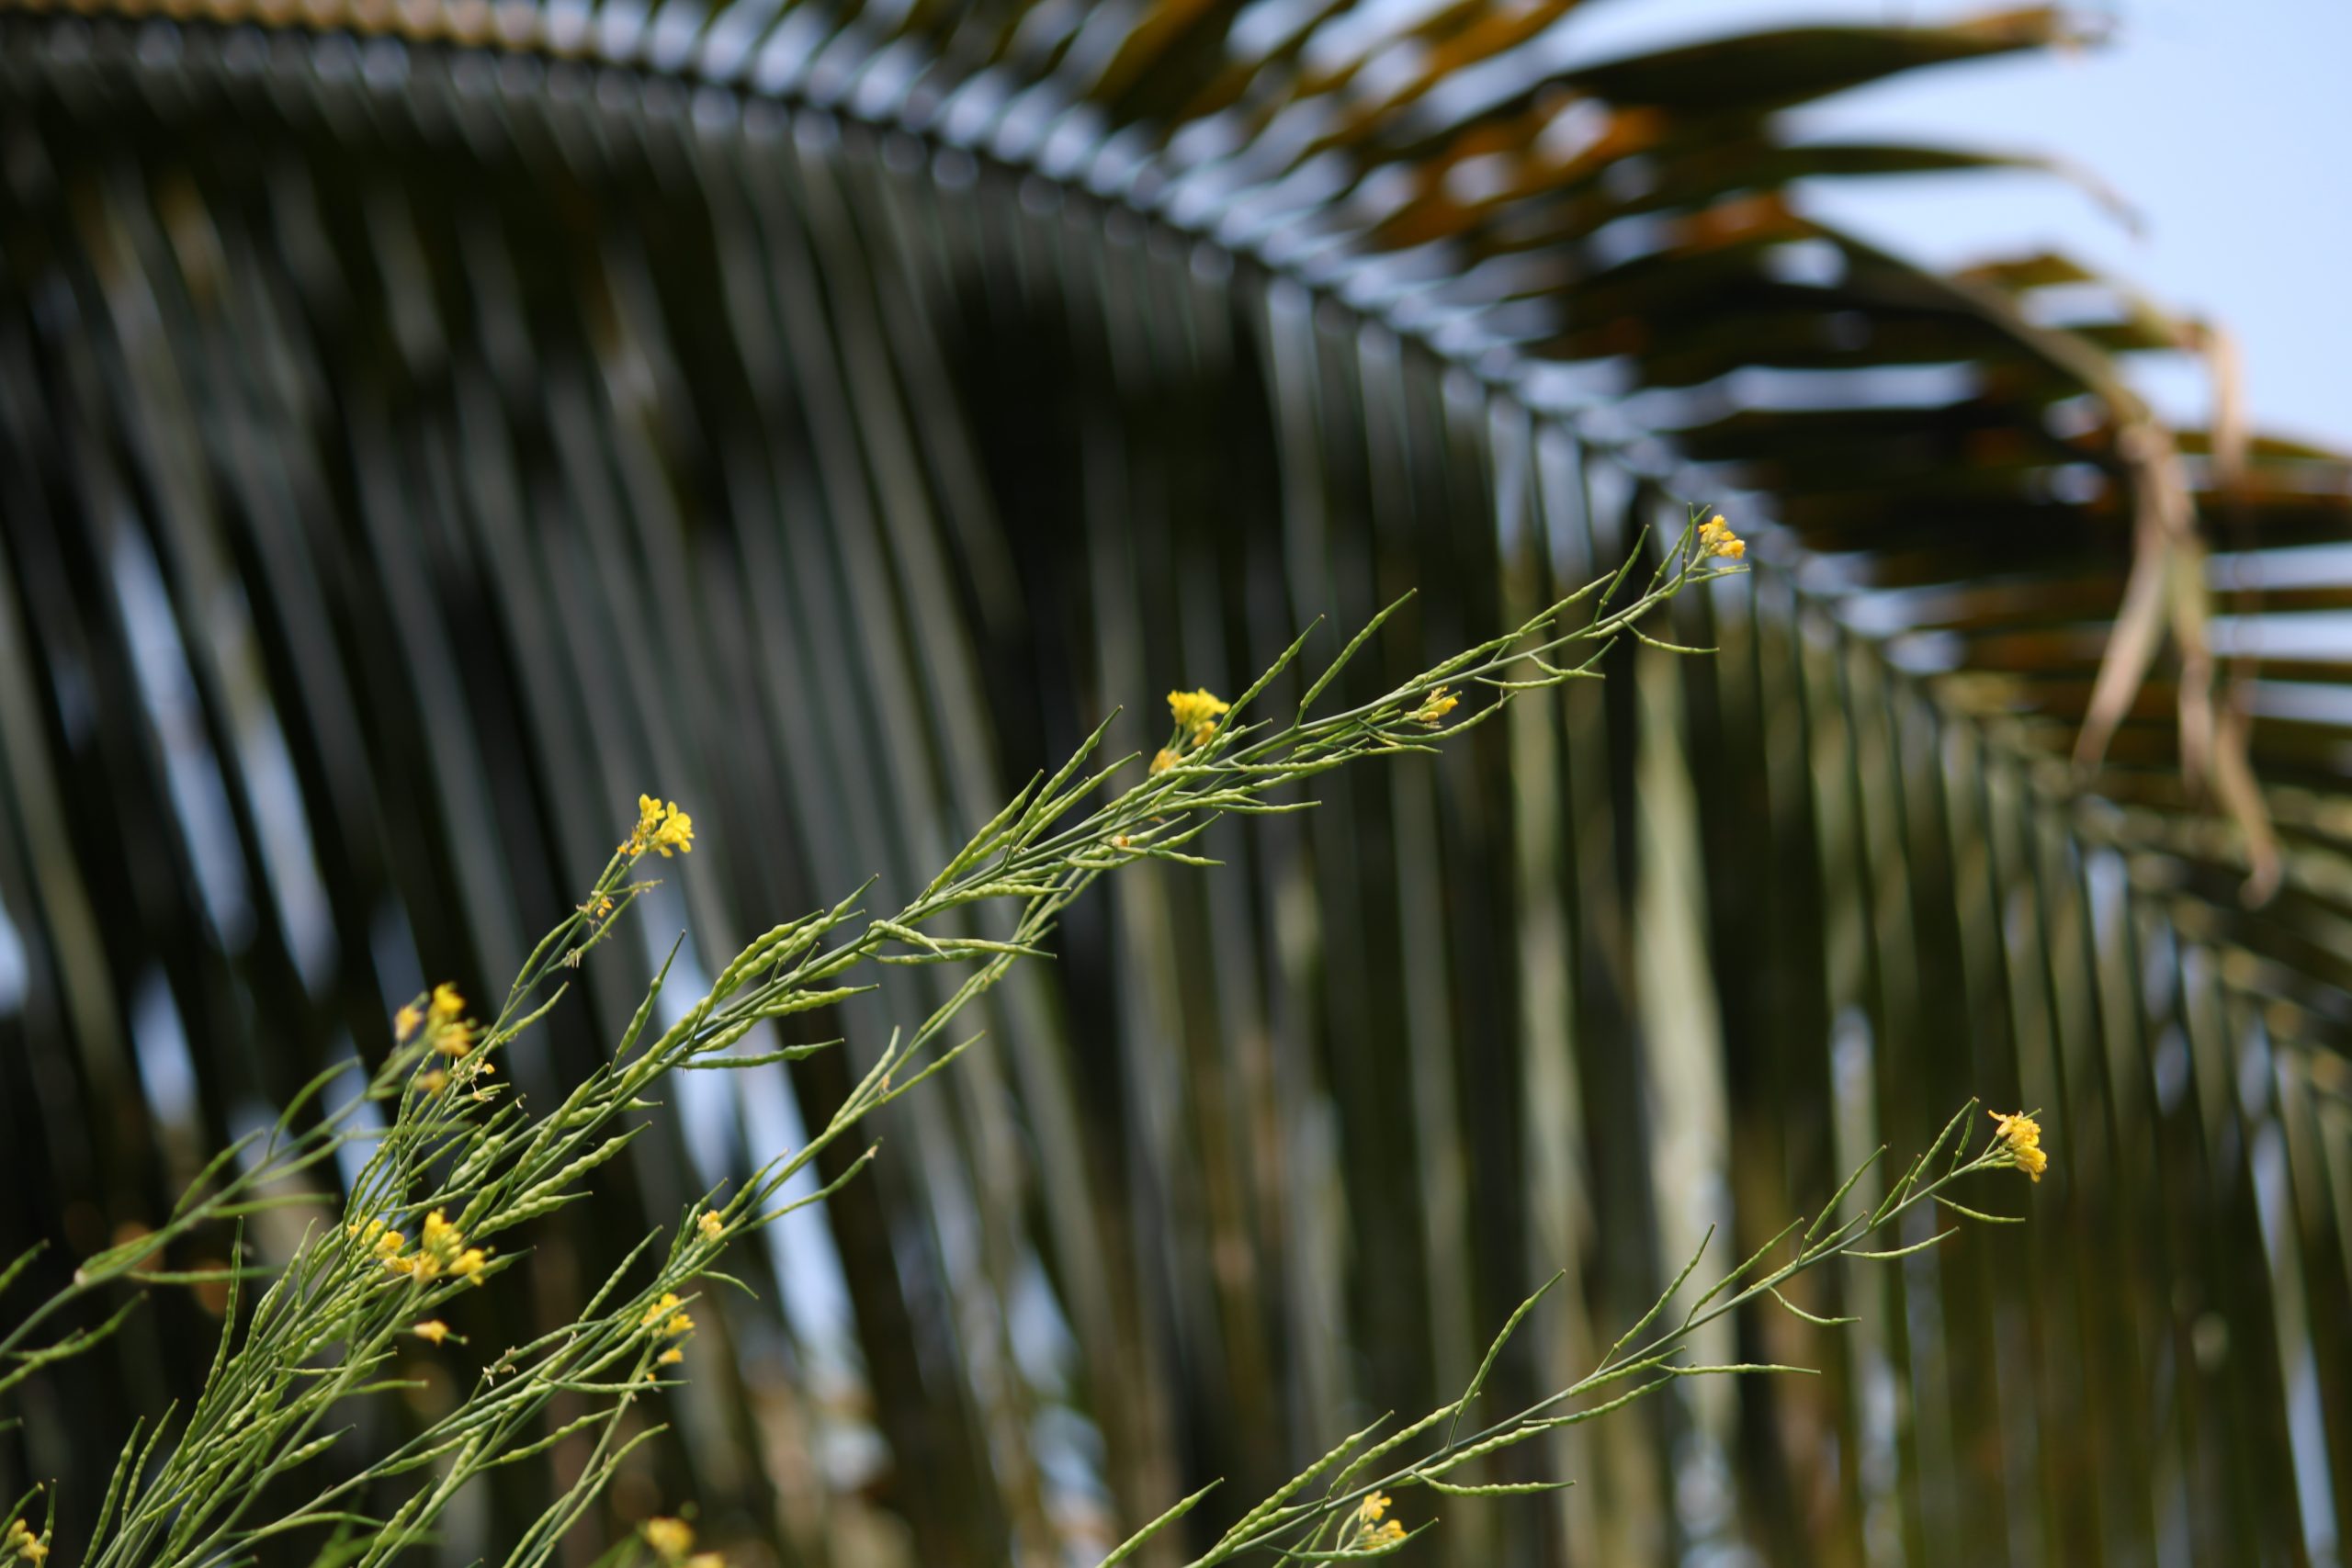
(705, 1560)
(710, 1224)
(1197, 711)
(1435, 706)
(660, 826)
(1164, 760)
(1370, 1532)
(2015, 1129)
(442, 1250)
(1715, 538)
(432, 1081)
(446, 1003)
(670, 1538)
(407, 1021)
(648, 818)
(2022, 1133)
(22, 1544)
(432, 1328)
(660, 1310)
(670, 1356)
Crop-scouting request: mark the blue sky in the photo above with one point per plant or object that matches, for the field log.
(2226, 124)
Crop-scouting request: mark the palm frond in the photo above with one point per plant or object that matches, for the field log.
(423, 426)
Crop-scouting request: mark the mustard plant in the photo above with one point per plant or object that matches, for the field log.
(1346, 1520)
(459, 1167)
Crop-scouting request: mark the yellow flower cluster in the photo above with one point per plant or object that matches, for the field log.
(669, 1306)
(2022, 1133)
(450, 1035)
(432, 1329)
(1196, 712)
(668, 1320)
(1370, 1532)
(21, 1543)
(659, 827)
(1715, 538)
(710, 1224)
(672, 1540)
(1435, 706)
(441, 1010)
(442, 1251)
